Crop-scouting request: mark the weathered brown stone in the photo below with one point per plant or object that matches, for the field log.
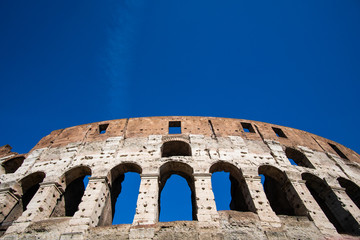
(318, 199)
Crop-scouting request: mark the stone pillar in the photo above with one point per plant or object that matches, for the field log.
(347, 203)
(261, 203)
(314, 211)
(8, 201)
(40, 207)
(205, 201)
(347, 213)
(92, 204)
(147, 207)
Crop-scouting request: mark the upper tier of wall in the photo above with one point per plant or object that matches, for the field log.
(207, 126)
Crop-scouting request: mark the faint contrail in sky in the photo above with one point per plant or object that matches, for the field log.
(118, 63)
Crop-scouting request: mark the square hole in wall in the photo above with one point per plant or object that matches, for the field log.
(102, 128)
(279, 132)
(174, 127)
(247, 127)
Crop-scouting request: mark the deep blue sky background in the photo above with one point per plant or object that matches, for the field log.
(65, 63)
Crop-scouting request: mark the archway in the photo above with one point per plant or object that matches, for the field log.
(352, 190)
(184, 171)
(175, 148)
(280, 193)
(342, 220)
(69, 202)
(29, 185)
(298, 157)
(240, 198)
(12, 164)
(121, 206)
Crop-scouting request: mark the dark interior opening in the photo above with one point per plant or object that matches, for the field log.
(337, 150)
(103, 128)
(238, 201)
(174, 127)
(247, 127)
(69, 202)
(13, 164)
(282, 196)
(277, 197)
(298, 157)
(30, 184)
(176, 148)
(73, 195)
(279, 132)
(342, 220)
(351, 189)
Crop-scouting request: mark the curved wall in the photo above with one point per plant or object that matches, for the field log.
(318, 197)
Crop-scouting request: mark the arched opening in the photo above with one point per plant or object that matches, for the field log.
(351, 189)
(175, 200)
(124, 191)
(12, 164)
(227, 180)
(180, 171)
(125, 206)
(69, 202)
(342, 220)
(175, 148)
(29, 184)
(280, 193)
(298, 158)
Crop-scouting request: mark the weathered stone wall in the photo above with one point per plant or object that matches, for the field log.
(317, 199)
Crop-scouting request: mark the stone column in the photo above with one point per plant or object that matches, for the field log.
(347, 203)
(8, 201)
(314, 211)
(345, 210)
(147, 207)
(261, 203)
(93, 202)
(205, 200)
(40, 207)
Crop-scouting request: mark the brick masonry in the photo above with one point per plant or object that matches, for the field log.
(317, 199)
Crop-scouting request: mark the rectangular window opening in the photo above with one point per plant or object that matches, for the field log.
(337, 150)
(279, 132)
(248, 127)
(102, 128)
(174, 127)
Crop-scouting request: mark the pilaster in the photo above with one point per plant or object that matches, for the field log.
(92, 205)
(314, 211)
(261, 203)
(39, 208)
(147, 207)
(205, 200)
(8, 201)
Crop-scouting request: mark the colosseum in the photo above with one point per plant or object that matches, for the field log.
(311, 188)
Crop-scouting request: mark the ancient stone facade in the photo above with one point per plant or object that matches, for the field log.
(43, 197)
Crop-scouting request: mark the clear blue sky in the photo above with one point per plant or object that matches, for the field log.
(65, 63)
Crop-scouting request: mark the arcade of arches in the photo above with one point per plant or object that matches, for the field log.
(276, 182)
(281, 194)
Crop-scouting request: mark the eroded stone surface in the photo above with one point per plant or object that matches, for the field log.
(34, 186)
